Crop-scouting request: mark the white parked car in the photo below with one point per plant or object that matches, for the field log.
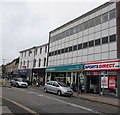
(58, 87)
(18, 82)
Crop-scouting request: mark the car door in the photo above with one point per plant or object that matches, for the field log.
(55, 87)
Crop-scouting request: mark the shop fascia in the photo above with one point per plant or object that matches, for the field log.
(103, 66)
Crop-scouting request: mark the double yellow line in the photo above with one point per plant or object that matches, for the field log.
(21, 106)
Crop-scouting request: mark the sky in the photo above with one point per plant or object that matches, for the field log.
(27, 23)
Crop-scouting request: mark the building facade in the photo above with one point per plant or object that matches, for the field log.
(10, 70)
(89, 39)
(33, 62)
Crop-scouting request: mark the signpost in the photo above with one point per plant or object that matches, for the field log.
(104, 83)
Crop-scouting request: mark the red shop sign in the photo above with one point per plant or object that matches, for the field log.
(112, 82)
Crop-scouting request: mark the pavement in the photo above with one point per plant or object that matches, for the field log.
(91, 97)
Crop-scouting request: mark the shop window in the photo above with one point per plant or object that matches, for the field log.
(104, 40)
(112, 38)
(97, 42)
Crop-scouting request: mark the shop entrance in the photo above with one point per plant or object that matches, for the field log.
(92, 84)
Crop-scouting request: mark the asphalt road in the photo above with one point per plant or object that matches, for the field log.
(35, 100)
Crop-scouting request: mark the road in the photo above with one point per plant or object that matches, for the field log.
(33, 99)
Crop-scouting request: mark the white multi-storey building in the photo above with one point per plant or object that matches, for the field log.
(92, 40)
(33, 62)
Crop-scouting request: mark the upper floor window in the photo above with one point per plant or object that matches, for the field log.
(39, 62)
(91, 43)
(45, 49)
(105, 17)
(112, 38)
(98, 20)
(85, 45)
(97, 42)
(25, 54)
(40, 50)
(34, 63)
(24, 63)
(104, 40)
(28, 64)
(112, 14)
(36, 51)
(44, 61)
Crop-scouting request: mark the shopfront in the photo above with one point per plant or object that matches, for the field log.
(68, 74)
(102, 77)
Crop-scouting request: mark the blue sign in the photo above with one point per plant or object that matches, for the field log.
(67, 68)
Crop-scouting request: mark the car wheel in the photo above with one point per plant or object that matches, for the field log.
(45, 90)
(17, 85)
(59, 92)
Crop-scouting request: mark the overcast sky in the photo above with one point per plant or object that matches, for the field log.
(27, 24)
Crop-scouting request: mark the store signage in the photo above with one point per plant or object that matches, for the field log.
(112, 82)
(24, 67)
(104, 82)
(111, 65)
(103, 73)
(69, 68)
(82, 80)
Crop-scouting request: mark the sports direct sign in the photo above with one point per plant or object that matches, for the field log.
(110, 65)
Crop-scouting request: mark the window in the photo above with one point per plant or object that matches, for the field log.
(28, 64)
(75, 29)
(59, 52)
(45, 49)
(104, 40)
(91, 43)
(97, 42)
(25, 54)
(112, 38)
(24, 63)
(85, 45)
(74, 47)
(56, 52)
(62, 50)
(34, 63)
(29, 53)
(35, 51)
(98, 20)
(40, 50)
(50, 54)
(70, 48)
(112, 14)
(91, 23)
(39, 62)
(79, 46)
(105, 17)
(44, 61)
(71, 31)
(85, 25)
(66, 49)
(80, 27)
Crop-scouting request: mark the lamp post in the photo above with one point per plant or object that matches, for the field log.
(33, 62)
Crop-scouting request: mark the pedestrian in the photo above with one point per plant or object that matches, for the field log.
(80, 89)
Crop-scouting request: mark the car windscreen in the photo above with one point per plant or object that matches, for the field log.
(19, 79)
(63, 84)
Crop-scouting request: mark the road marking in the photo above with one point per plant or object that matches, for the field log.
(21, 106)
(65, 102)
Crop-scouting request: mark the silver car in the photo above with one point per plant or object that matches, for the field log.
(18, 82)
(58, 87)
